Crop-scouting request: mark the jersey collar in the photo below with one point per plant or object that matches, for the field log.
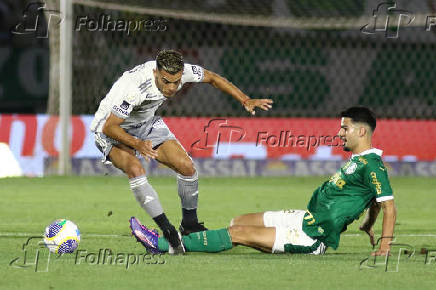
(369, 151)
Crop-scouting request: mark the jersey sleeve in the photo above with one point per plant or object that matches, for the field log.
(192, 73)
(124, 100)
(376, 178)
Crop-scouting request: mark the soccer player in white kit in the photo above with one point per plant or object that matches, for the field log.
(126, 128)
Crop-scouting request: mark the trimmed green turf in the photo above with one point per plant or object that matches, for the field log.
(28, 205)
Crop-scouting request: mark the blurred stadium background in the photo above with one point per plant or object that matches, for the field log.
(313, 58)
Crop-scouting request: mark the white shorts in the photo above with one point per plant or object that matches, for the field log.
(154, 130)
(290, 236)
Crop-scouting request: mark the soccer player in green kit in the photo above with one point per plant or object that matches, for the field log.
(360, 184)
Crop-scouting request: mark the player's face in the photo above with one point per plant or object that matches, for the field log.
(349, 134)
(167, 83)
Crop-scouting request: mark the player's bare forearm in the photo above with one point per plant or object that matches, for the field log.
(227, 87)
(389, 218)
(224, 85)
(113, 130)
(371, 216)
(369, 221)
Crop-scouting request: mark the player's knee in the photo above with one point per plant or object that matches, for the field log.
(237, 221)
(237, 233)
(233, 230)
(187, 168)
(134, 169)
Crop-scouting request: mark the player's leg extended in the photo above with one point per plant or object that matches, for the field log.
(257, 237)
(282, 218)
(249, 219)
(172, 154)
(124, 158)
(287, 236)
(276, 239)
(211, 241)
(249, 230)
(265, 239)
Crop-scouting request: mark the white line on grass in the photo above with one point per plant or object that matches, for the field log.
(11, 234)
(400, 235)
(5, 234)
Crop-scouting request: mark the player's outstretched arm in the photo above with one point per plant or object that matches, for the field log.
(389, 217)
(369, 221)
(224, 85)
(113, 130)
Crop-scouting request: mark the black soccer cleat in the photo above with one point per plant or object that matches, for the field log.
(191, 228)
(174, 239)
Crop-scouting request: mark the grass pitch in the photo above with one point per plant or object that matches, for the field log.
(101, 207)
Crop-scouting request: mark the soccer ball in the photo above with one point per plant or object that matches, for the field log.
(62, 236)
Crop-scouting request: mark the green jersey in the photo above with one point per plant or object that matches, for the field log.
(341, 200)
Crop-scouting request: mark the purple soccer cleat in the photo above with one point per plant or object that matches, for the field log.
(148, 238)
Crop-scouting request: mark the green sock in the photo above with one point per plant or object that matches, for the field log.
(208, 241)
(211, 241)
(162, 244)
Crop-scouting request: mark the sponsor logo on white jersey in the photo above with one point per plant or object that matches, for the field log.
(351, 168)
(125, 105)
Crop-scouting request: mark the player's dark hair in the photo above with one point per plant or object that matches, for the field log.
(361, 115)
(170, 61)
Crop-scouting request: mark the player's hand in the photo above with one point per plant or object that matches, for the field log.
(145, 147)
(382, 252)
(369, 232)
(251, 104)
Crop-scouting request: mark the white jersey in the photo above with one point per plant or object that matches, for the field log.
(135, 97)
